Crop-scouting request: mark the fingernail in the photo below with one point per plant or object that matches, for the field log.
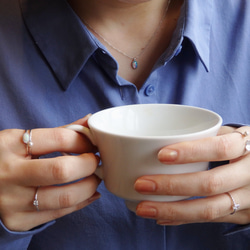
(145, 186)
(95, 197)
(167, 155)
(164, 223)
(146, 212)
(88, 115)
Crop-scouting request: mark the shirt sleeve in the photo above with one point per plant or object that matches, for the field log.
(10, 240)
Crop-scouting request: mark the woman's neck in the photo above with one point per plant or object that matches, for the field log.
(116, 16)
(140, 29)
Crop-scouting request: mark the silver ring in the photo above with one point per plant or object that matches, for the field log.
(35, 201)
(235, 206)
(27, 139)
(244, 134)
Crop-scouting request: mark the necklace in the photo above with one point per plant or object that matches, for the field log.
(134, 62)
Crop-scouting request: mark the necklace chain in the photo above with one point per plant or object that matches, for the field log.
(134, 63)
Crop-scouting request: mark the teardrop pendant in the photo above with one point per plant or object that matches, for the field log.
(134, 64)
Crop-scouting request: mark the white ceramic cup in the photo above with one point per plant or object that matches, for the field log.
(130, 137)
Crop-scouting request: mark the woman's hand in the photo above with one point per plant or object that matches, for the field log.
(214, 185)
(20, 175)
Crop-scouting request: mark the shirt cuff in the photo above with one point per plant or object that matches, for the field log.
(18, 240)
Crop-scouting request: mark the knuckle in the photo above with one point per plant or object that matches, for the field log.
(5, 135)
(210, 213)
(60, 138)
(2, 141)
(168, 186)
(66, 200)
(3, 203)
(8, 141)
(5, 173)
(194, 151)
(223, 147)
(59, 170)
(2, 206)
(211, 185)
(171, 214)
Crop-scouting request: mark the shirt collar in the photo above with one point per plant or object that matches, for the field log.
(57, 40)
(197, 27)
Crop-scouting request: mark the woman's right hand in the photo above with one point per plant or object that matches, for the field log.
(20, 175)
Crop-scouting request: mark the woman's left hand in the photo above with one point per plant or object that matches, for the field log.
(213, 185)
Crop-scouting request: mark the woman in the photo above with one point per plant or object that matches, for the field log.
(62, 60)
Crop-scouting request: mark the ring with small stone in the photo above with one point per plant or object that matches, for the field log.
(35, 201)
(235, 206)
(244, 134)
(27, 139)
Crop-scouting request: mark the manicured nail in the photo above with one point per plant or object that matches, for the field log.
(167, 155)
(145, 186)
(164, 223)
(95, 197)
(146, 212)
(88, 115)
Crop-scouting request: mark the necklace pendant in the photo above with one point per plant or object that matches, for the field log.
(134, 64)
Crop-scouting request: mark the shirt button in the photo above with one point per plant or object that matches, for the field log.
(150, 89)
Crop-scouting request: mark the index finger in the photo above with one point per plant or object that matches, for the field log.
(219, 148)
(51, 140)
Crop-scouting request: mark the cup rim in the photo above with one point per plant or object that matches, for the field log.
(191, 134)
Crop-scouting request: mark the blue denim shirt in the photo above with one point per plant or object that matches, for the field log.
(53, 71)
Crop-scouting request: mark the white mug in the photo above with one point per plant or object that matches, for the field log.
(130, 137)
